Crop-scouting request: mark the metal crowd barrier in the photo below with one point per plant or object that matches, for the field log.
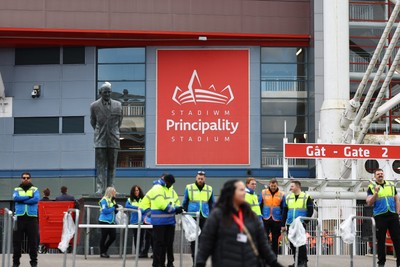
(87, 236)
(126, 227)
(197, 236)
(75, 239)
(318, 243)
(7, 234)
(373, 240)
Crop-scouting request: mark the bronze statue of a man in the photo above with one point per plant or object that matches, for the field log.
(106, 119)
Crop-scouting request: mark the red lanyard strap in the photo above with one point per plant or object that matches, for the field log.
(239, 220)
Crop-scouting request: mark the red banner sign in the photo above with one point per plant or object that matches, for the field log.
(202, 107)
(343, 151)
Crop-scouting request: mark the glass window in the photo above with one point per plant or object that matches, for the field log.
(121, 55)
(74, 55)
(282, 71)
(124, 72)
(279, 107)
(282, 54)
(127, 92)
(37, 56)
(371, 165)
(35, 125)
(125, 69)
(284, 98)
(73, 125)
(275, 124)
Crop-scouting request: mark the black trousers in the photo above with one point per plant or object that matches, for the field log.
(142, 234)
(163, 242)
(145, 241)
(26, 226)
(302, 251)
(193, 243)
(388, 221)
(274, 228)
(148, 240)
(108, 236)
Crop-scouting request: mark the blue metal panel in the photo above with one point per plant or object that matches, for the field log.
(154, 173)
(77, 159)
(76, 107)
(37, 73)
(78, 72)
(42, 107)
(37, 160)
(6, 160)
(37, 143)
(79, 89)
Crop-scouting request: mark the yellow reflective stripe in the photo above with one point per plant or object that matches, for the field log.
(156, 196)
(191, 191)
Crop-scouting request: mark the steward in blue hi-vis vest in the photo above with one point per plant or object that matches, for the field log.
(296, 207)
(133, 204)
(26, 201)
(107, 210)
(198, 199)
(385, 201)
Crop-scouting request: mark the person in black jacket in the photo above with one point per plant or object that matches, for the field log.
(230, 231)
(64, 195)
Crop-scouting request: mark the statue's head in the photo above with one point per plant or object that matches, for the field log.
(105, 91)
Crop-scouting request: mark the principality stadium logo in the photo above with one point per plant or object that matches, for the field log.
(200, 95)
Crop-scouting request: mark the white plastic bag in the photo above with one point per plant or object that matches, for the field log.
(121, 218)
(297, 233)
(189, 226)
(347, 231)
(67, 232)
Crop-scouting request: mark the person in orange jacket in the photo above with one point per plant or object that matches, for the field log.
(271, 203)
(327, 242)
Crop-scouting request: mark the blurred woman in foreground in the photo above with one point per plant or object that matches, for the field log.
(233, 235)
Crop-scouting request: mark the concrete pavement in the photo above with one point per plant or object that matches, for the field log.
(55, 260)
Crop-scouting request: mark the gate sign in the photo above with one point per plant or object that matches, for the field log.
(202, 107)
(342, 151)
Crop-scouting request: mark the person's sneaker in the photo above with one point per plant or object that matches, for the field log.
(143, 256)
(104, 255)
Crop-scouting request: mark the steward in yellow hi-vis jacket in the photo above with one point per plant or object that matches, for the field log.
(251, 196)
(26, 198)
(382, 195)
(298, 204)
(198, 197)
(163, 203)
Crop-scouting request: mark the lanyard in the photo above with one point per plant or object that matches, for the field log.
(239, 220)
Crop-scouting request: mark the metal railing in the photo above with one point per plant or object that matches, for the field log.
(318, 242)
(197, 236)
(373, 240)
(132, 111)
(284, 85)
(276, 159)
(76, 211)
(361, 12)
(117, 226)
(7, 234)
